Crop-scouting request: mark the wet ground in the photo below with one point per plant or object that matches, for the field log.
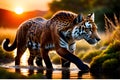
(56, 73)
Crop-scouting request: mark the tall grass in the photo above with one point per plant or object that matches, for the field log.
(7, 33)
(112, 30)
(6, 57)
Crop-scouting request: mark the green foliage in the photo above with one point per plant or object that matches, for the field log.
(113, 47)
(79, 5)
(5, 57)
(108, 60)
(96, 63)
(4, 74)
(100, 16)
(110, 65)
(90, 55)
(56, 59)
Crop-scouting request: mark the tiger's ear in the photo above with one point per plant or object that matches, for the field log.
(78, 19)
(91, 16)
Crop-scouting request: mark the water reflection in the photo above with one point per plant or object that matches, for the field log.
(47, 75)
(53, 74)
(57, 73)
(65, 74)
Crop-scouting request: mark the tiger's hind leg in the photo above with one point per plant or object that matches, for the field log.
(34, 48)
(31, 57)
(46, 58)
(20, 51)
(39, 59)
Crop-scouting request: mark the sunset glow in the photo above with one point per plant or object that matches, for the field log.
(27, 5)
(18, 10)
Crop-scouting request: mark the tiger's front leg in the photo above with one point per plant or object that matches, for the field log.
(71, 48)
(64, 53)
(65, 63)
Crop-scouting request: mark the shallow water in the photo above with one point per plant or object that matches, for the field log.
(57, 73)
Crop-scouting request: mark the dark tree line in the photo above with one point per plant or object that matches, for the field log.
(82, 5)
(100, 7)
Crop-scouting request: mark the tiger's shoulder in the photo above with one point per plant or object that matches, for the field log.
(63, 19)
(64, 16)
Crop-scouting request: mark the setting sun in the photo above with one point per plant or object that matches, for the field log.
(18, 10)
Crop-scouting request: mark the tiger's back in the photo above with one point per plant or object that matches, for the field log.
(30, 29)
(63, 19)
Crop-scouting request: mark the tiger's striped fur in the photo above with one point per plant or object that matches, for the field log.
(59, 33)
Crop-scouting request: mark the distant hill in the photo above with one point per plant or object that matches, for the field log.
(9, 19)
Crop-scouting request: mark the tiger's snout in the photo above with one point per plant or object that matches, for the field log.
(92, 41)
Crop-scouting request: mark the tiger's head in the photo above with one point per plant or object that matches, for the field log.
(85, 28)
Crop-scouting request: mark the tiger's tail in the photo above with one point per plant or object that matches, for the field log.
(6, 46)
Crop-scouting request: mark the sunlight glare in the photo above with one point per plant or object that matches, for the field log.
(18, 10)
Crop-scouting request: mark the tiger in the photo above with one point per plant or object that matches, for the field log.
(59, 33)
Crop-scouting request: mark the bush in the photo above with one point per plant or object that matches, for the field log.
(110, 65)
(96, 63)
(56, 59)
(90, 55)
(108, 60)
(113, 47)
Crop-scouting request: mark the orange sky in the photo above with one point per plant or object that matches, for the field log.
(27, 5)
